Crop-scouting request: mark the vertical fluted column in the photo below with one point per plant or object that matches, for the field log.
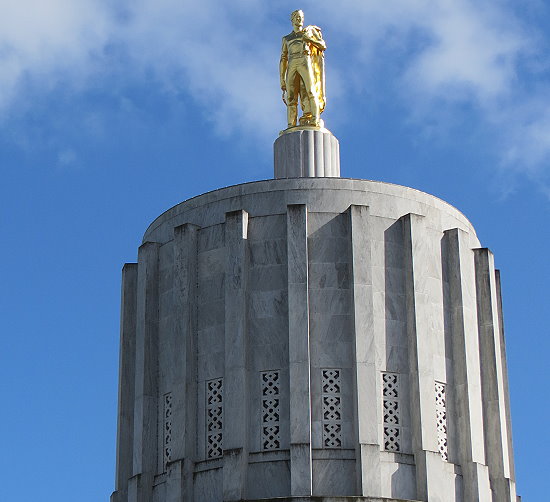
(146, 390)
(366, 371)
(126, 381)
(179, 485)
(319, 154)
(465, 350)
(235, 383)
(492, 379)
(299, 353)
(420, 337)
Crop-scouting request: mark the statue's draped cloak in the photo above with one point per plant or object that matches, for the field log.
(318, 65)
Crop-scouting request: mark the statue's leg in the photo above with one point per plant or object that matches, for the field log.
(292, 115)
(306, 73)
(292, 88)
(306, 107)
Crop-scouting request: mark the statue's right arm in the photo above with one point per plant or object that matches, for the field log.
(283, 64)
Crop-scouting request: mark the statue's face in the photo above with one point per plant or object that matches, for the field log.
(298, 20)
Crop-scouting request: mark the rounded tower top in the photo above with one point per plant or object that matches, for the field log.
(261, 198)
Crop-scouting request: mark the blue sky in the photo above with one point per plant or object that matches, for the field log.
(109, 116)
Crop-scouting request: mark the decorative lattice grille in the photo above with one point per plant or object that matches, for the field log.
(271, 411)
(331, 386)
(391, 411)
(167, 430)
(441, 418)
(214, 418)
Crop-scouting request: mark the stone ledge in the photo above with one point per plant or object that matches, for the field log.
(328, 499)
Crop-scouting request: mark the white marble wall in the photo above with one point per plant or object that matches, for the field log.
(301, 277)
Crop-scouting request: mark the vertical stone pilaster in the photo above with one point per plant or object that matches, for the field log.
(299, 352)
(175, 482)
(146, 389)
(420, 336)
(466, 364)
(126, 382)
(492, 379)
(235, 382)
(140, 487)
(184, 392)
(366, 372)
(505, 375)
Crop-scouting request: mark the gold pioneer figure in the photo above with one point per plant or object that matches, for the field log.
(302, 72)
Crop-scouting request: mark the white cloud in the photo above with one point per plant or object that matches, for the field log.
(208, 49)
(469, 49)
(48, 41)
(527, 144)
(441, 42)
(218, 52)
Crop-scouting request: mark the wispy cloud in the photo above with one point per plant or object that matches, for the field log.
(212, 50)
(208, 49)
(526, 145)
(67, 158)
(45, 42)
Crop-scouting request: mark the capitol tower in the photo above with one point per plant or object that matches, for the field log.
(312, 337)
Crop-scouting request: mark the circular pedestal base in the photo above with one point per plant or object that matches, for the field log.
(307, 153)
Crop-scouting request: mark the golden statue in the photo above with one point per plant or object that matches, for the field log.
(302, 71)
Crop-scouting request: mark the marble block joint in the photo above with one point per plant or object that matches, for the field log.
(313, 339)
(307, 153)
